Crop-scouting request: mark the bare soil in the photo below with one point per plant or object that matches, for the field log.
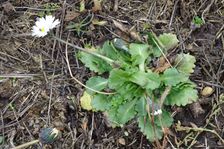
(37, 91)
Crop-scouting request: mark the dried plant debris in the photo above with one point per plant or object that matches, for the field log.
(165, 39)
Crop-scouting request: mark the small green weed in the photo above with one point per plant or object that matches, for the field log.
(48, 8)
(197, 22)
(81, 26)
(138, 91)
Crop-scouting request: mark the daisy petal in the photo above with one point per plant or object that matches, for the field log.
(55, 23)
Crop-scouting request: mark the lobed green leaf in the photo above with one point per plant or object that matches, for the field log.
(97, 83)
(154, 131)
(147, 80)
(156, 50)
(109, 51)
(146, 127)
(182, 95)
(172, 77)
(94, 63)
(185, 63)
(126, 112)
(112, 116)
(100, 102)
(164, 120)
(139, 53)
(122, 50)
(117, 78)
(141, 107)
(168, 40)
(130, 90)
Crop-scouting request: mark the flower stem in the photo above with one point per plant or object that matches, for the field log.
(110, 61)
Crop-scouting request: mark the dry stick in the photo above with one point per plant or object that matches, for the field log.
(13, 57)
(69, 68)
(26, 144)
(32, 8)
(59, 30)
(88, 51)
(162, 99)
(173, 14)
(205, 129)
(51, 84)
(207, 9)
(151, 8)
(207, 122)
(164, 95)
(92, 128)
(211, 84)
(152, 120)
(210, 65)
(3, 130)
(14, 75)
(51, 93)
(12, 136)
(159, 44)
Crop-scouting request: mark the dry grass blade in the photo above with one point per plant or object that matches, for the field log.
(34, 70)
(18, 75)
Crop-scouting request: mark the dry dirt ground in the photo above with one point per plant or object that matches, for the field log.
(36, 89)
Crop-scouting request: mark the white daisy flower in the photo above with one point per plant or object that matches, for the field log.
(44, 25)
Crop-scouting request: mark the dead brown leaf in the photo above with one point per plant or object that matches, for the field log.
(162, 65)
(162, 68)
(58, 124)
(99, 23)
(120, 26)
(115, 5)
(8, 7)
(97, 5)
(135, 35)
(131, 32)
(122, 35)
(70, 15)
(84, 124)
(6, 88)
(196, 109)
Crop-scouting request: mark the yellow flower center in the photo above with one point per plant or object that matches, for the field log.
(42, 29)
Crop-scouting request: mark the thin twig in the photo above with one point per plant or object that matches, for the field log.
(173, 14)
(159, 45)
(14, 75)
(206, 10)
(201, 130)
(164, 95)
(3, 130)
(26, 144)
(32, 8)
(51, 91)
(151, 119)
(88, 51)
(212, 84)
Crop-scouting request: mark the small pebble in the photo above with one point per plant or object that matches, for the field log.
(207, 91)
(126, 133)
(121, 141)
